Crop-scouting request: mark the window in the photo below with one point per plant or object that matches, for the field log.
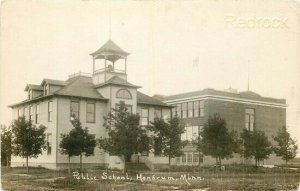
(74, 111)
(129, 107)
(31, 114)
(178, 110)
(157, 112)
(191, 133)
(26, 112)
(249, 119)
(90, 112)
(174, 110)
(188, 158)
(20, 113)
(49, 143)
(123, 94)
(46, 89)
(195, 132)
(145, 116)
(190, 109)
(184, 157)
(50, 111)
(196, 108)
(166, 116)
(201, 108)
(37, 113)
(183, 135)
(200, 130)
(184, 110)
(196, 157)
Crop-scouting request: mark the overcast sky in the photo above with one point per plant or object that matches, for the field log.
(175, 47)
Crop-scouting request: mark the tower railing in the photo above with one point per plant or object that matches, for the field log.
(80, 74)
(109, 70)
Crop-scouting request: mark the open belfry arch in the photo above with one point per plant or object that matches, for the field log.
(104, 62)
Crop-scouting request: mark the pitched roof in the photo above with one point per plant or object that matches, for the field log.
(116, 80)
(34, 87)
(242, 95)
(110, 51)
(54, 82)
(110, 46)
(144, 99)
(80, 86)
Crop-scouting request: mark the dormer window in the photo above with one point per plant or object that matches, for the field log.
(124, 94)
(46, 89)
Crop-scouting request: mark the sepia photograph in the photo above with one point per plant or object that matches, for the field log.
(150, 95)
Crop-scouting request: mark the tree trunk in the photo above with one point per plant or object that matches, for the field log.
(125, 168)
(199, 163)
(69, 167)
(80, 162)
(7, 161)
(169, 161)
(286, 163)
(27, 164)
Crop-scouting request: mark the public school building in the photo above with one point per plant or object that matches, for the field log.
(90, 97)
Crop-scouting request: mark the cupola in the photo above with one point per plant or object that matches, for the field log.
(109, 61)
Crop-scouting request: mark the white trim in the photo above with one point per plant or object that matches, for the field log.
(225, 98)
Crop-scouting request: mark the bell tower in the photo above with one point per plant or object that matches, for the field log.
(109, 61)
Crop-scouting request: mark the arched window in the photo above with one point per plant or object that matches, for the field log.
(123, 94)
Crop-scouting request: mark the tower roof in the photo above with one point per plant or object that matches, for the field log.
(111, 50)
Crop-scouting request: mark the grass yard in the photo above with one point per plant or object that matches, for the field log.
(231, 179)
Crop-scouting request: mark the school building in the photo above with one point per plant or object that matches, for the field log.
(90, 97)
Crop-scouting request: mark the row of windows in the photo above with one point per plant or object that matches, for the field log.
(191, 133)
(74, 112)
(90, 111)
(144, 115)
(189, 158)
(188, 109)
(25, 111)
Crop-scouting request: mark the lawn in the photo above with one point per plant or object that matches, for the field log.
(237, 178)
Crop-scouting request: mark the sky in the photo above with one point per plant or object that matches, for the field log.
(175, 46)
